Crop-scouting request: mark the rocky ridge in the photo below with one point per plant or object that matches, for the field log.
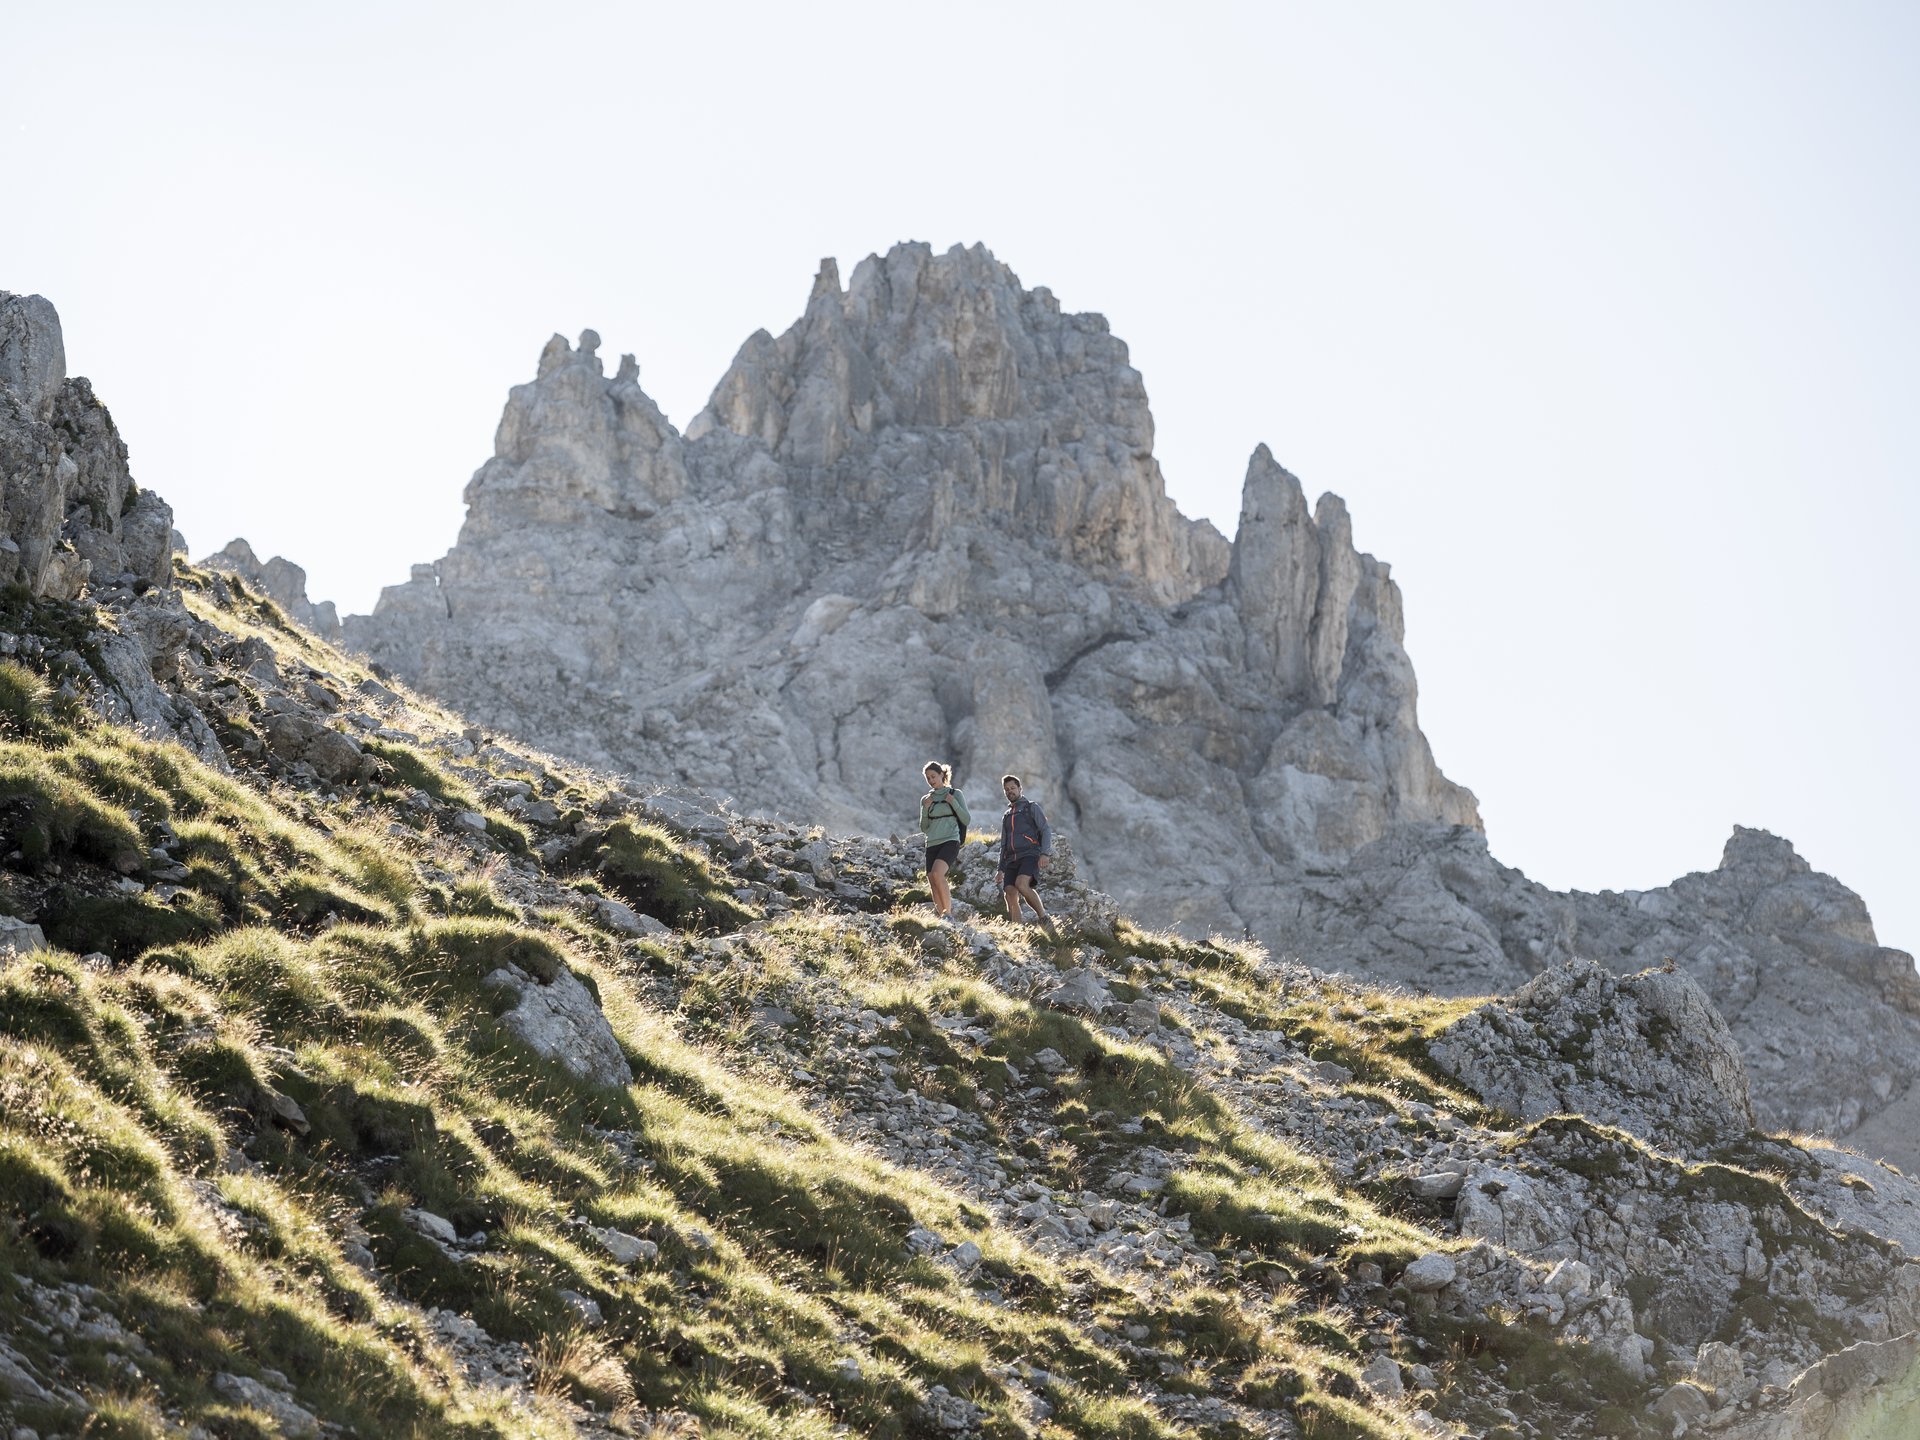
(926, 521)
(1184, 1131)
(284, 582)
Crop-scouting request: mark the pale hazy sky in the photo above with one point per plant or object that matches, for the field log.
(1604, 318)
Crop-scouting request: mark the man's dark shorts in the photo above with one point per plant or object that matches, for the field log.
(1012, 870)
(948, 850)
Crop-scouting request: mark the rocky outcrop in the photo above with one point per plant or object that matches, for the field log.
(71, 510)
(1647, 1053)
(284, 582)
(1869, 1391)
(556, 1016)
(1826, 1019)
(76, 524)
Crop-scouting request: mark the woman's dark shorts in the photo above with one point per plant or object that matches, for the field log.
(1012, 870)
(948, 851)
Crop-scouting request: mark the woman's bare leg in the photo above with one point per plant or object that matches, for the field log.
(942, 896)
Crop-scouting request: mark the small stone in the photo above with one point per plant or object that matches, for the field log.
(627, 1249)
(287, 1114)
(1570, 1278)
(587, 1308)
(964, 1257)
(1441, 1185)
(617, 916)
(1082, 990)
(1432, 1271)
(471, 820)
(950, 1412)
(1382, 1376)
(19, 938)
(432, 1226)
(1685, 1402)
(1719, 1367)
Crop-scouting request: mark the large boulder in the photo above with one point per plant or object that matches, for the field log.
(1647, 1053)
(556, 1016)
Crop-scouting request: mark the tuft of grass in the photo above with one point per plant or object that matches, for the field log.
(26, 701)
(576, 1364)
(99, 799)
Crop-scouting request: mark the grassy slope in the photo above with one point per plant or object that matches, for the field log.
(329, 954)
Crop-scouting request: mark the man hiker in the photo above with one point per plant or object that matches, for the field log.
(1026, 845)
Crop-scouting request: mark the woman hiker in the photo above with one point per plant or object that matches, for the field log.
(944, 820)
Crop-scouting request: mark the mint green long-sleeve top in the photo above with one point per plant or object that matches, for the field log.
(943, 816)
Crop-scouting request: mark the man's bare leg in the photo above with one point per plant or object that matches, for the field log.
(1032, 897)
(1012, 897)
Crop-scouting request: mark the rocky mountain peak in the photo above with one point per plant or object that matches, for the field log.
(284, 582)
(946, 367)
(1293, 578)
(573, 442)
(1762, 855)
(925, 519)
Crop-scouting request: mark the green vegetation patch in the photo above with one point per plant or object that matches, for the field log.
(651, 870)
(103, 799)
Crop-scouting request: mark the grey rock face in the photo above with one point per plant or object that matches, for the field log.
(285, 584)
(926, 521)
(1647, 1053)
(72, 522)
(70, 509)
(33, 353)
